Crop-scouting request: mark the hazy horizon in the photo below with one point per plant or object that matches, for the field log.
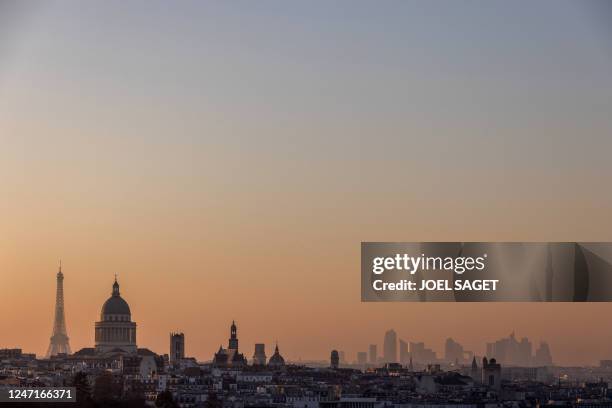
(226, 160)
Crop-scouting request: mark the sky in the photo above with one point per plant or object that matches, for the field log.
(226, 160)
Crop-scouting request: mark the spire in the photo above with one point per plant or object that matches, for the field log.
(59, 271)
(116, 287)
(474, 365)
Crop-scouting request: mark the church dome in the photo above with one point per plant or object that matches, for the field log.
(276, 360)
(115, 305)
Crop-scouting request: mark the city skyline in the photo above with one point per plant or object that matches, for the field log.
(226, 161)
(389, 342)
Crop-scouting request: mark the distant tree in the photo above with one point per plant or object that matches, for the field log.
(105, 391)
(83, 390)
(164, 400)
(212, 401)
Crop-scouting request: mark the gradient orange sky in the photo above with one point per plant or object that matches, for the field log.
(227, 160)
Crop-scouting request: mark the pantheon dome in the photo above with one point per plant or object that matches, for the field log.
(115, 332)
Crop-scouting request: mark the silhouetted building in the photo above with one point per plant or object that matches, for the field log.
(10, 354)
(115, 331)
(373, 354)
(362, 358)
(510, 351)
(276, 361)
(259, 357)
(334, 359)
(177, 347)
(422, 355)
(543, 357)
(453, 351)
(230, 357)
(475, 371)
(404, 355)
(491, 373)
(233, 340)
(390, 347)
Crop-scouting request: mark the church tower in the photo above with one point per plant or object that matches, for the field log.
(233, 340)
(475, 372)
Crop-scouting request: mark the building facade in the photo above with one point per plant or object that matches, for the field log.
(115, 331)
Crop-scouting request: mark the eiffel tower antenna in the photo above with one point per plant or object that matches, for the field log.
(59, 338)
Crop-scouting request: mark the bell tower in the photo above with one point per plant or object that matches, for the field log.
(233, 340)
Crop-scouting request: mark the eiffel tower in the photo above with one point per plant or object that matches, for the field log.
(59, 338)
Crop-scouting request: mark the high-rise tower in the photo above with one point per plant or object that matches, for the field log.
(59, 338)
(390, 347)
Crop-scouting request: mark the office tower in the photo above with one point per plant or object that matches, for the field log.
(390, 347)
(404, 355)
(373, 354)
(453, 351)
(362, 358)
(543, 357)
(421, 355)
(510, 351)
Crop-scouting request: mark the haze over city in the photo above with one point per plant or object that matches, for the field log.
(227, 160)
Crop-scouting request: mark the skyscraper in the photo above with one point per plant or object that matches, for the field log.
(453, 351)
(59, 338)
(362, 358)
(419, 354)
(404, 355)
(373, 354)
(543, 357)
(334, 359)
(177, 347)
(259, 357)
(390, 347)
(510, 351)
